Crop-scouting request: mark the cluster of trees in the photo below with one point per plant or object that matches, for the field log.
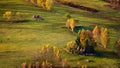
(46, 4)
(86, 40)
(84, 44)
(49, 57)
(100, 35)
(49, 53)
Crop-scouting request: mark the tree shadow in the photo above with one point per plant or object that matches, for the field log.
(77, 28)
(106, 54)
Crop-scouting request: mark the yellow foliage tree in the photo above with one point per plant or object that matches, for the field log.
(68, 23)
(72, 24)
(7, 15)
(83, 37)
(104, 37)
(38, 2)
(48, 4)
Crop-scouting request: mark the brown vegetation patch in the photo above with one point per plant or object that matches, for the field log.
(112, 7)
(79, 6)
(15, 21)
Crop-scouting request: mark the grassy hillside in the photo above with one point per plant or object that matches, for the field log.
(19, 40)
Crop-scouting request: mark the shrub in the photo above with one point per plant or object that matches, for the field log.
(19, 16)
(7, 15)
(51, 54)
(14, 17)
(70, 45)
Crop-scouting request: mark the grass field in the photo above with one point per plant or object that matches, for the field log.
(19, 40)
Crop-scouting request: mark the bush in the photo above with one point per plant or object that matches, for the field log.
(14, 16)
(51, 54)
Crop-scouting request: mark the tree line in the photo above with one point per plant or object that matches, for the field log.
(46, 4)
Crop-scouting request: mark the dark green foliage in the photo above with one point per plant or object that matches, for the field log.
(67, 16)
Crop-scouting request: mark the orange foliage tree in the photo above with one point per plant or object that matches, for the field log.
(96, 33)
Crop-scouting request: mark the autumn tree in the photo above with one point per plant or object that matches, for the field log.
(72, 24)
(67, 17)
(104, 37)
(48, 4)
(96, 33)
(85, 41)
(39, 2)
(68, 23)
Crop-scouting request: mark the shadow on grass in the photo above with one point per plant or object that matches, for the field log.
(16, 21)
(106, 54)
(77, 28)
(113, 26)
